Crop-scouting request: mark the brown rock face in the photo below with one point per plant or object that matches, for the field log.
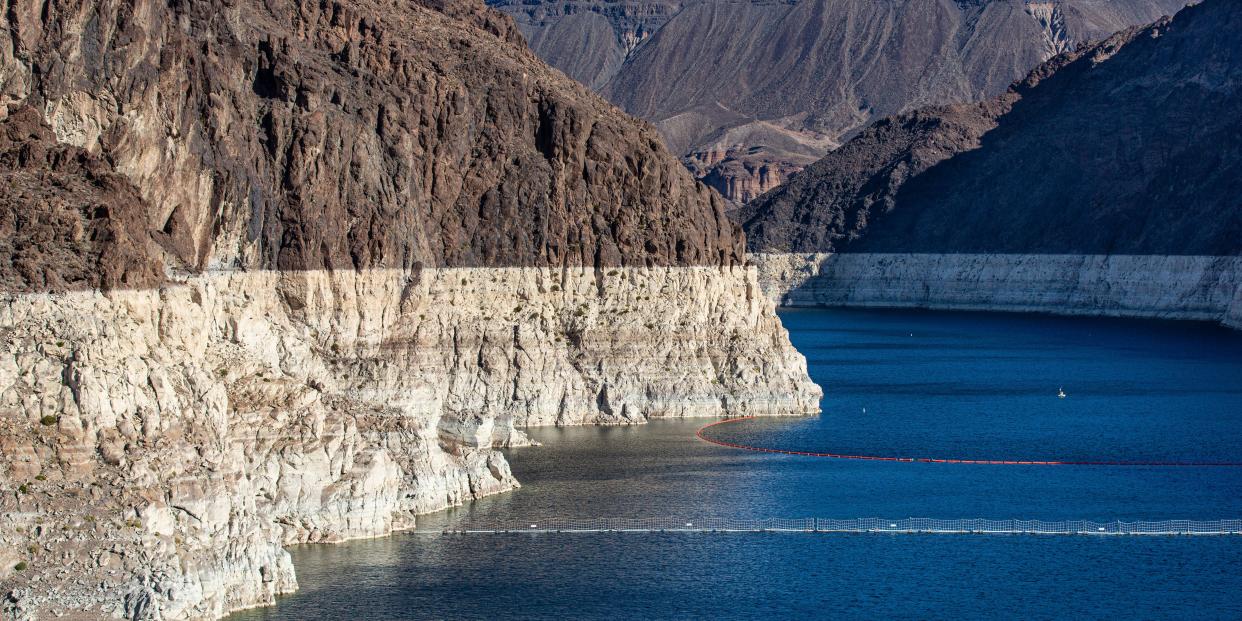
(67, 219)
(1132, 146)
(347, 135)
(737, 177)
(834, 201)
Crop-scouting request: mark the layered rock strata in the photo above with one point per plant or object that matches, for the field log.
(279, 272)
(168, 442)
(1200, 288)
(1129, 146)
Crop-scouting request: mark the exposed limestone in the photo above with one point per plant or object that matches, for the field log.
(282, 271)
(159, 446)
(1203, 288)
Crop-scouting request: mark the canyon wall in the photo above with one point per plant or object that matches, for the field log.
(1202, 288)
(276, 272)
(737, 86)
(168, 442)
(1105, 182)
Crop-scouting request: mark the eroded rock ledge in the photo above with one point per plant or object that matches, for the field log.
(1203, 288)
(169, 441)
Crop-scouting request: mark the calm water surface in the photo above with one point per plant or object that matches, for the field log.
(959, 385)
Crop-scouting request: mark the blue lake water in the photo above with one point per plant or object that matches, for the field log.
(957, 385)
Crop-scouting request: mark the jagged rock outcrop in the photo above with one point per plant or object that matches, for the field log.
(1127, 148)
(208, 422)
(788, 80)
(67, 219)
(285, 271)
(326, 136)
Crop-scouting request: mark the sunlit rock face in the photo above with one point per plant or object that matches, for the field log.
(1199, 288)
(276, 272)
(205, 423)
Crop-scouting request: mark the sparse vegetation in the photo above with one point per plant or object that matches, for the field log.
(21, 566)
(49, 420)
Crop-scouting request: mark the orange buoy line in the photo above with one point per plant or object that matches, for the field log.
(934, 460)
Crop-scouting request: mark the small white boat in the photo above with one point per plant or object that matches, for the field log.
(1061, 393)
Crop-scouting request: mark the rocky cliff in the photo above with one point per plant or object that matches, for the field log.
(1127, 148)
(279, 272)
(781, 82)
(587, 39)
(1196, 288)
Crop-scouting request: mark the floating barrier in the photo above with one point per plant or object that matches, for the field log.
(854, 525)
(701, 434)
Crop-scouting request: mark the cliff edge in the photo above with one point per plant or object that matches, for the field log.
(279, 272)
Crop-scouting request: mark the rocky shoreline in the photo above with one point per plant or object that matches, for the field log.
(205, 424)
(1197, 288)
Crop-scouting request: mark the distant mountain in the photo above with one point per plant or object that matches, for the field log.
(1131, 146)
(749, 91)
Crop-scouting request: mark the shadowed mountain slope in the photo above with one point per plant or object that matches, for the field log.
(1131, 146)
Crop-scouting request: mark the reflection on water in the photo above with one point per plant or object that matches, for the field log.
(1142, 389)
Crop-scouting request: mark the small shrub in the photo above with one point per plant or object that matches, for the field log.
(21, 566)
(60, 343)
(39, 477)
(49, 420)
(23, 489)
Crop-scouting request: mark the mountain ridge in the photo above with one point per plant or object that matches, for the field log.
(1085, 155)
(749, 92)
